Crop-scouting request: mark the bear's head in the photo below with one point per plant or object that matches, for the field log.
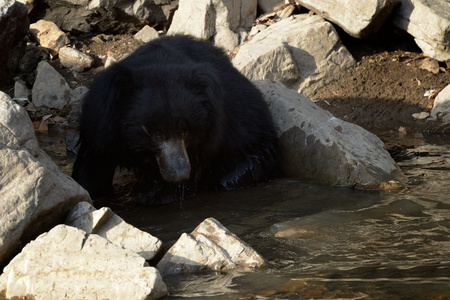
(171, 118)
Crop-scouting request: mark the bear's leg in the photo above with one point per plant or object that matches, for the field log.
(94, 172)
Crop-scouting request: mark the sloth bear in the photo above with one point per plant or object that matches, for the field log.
(179, 115)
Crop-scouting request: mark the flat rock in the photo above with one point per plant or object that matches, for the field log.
(358, 18)
(210, 246)
(110, 226)
(314, 145)
(429, 22)
(285, 51)
(65, 264)
(34, 194)
(74, 59)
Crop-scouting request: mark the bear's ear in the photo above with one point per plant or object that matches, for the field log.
(103, 105)
(205, 79)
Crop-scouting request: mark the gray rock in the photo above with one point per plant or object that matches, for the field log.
(358, 18)
(314, 145)
(49, 36)
(441, 108)
(429, 22)
(274, 52)
(110, 226)
(14, 27)
(205, 19)
(268, 5)
(33, 55)
(50, 89)
(146, 34)
(65, 264)
(34, 194)
(21, 92)
(75, 60)
(210, 246)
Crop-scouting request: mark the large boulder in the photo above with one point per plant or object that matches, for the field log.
(441, 107)
(304, 52)
(222, 20)
(34, 194)
(209, 247)
(65, 264)
(14, 27)
(429, 22)
(314, 145)
(358, 18)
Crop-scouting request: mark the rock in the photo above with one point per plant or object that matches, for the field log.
(50, 89)
(49, 36)
(75, 60)
(110, 226)
(207, 19)
(441, 107)
(153, 12)
(64, 264)
(33, 55)
(34, 194)
(209, 247)
(14, 27)
(275, 52)
(268, 5)
(316, 146)
(146, 34)
(358, 18)
(21, 92)
(429, 23)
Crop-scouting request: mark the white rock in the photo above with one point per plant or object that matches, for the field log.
(110, 226)
(316, 146)
(21, 91)
(429, 22)
(205, 19)
(209, 247)
(35, 195)
(75, 60)
(50, 89)
(64, 264)
(357, 18)
(441, 108)
(49, 35)
(146, 34)
(319, 60)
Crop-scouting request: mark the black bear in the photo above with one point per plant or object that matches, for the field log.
(175, 111)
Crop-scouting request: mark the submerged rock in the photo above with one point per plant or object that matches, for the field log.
(317, 146)
(105, 223)
(210, 246)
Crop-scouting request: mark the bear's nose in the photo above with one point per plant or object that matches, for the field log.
(173, 161)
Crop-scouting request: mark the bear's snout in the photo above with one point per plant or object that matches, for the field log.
(173, 161)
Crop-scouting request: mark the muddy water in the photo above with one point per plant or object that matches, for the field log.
(325, 242)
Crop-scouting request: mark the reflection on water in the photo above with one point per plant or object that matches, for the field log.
(322, 242)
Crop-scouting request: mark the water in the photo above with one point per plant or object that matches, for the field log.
(324, 242)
